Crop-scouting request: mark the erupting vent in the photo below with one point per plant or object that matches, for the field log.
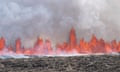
(42, 47)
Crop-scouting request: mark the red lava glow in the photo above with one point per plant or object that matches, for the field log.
(43, 47)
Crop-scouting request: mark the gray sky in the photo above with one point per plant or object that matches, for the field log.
(53, 19)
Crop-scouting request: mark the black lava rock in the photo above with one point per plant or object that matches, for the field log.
(94, 63)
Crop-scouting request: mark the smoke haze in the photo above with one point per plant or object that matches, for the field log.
(53, 19)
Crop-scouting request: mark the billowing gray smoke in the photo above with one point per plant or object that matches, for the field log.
(53, 19)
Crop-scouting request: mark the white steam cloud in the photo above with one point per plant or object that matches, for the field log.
(53, 19)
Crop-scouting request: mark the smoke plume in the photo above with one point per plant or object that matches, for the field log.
(29, 19)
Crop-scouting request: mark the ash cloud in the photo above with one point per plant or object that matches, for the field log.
(29, 19)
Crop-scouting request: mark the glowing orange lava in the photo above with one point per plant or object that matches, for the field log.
(42, 47)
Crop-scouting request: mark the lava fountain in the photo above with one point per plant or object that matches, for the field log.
(44, 47)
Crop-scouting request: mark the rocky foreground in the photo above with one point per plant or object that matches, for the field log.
(101, 63)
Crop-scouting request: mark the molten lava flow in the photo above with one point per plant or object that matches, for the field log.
(118, 48)
(48, 47)
(18, 46)
(114, 45)
(72, 38)
(2, 43)
(42, 47)
(94, 44)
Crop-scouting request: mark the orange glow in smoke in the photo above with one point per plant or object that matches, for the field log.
(42, 47)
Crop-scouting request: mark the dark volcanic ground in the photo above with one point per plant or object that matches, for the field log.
(103, 63)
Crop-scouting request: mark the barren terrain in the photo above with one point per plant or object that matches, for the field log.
(101, 63)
